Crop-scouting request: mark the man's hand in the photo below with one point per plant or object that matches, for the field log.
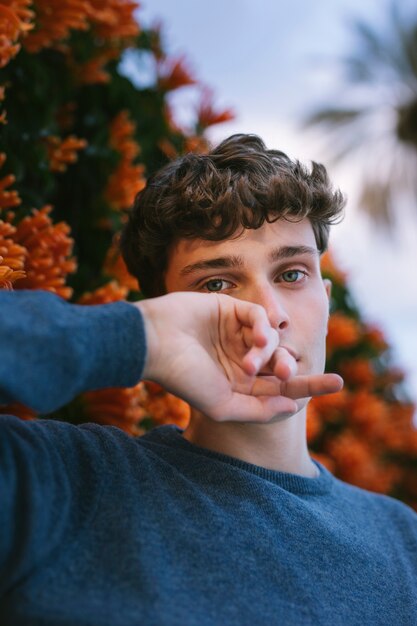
(209, 349)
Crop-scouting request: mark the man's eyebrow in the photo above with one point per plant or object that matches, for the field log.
(233, 261)
(287, 252)
(219, 262)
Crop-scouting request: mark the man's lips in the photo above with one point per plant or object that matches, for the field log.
(295, 356)
(291, 351)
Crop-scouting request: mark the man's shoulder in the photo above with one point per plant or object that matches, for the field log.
(52, 438)
(76, 444)
(378, 506)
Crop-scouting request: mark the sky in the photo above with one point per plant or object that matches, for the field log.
(273, 62)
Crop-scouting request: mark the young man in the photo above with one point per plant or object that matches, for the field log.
(261, 534)
(230, 522)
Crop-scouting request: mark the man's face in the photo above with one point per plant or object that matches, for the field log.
(277, 266)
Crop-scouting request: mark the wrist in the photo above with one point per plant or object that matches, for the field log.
(150, 312)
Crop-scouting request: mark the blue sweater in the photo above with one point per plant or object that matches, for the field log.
(98, 528)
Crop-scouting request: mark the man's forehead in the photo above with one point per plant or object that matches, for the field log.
(291, 235)
(269, 244)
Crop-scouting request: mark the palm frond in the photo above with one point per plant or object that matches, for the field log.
(405, 34)
(333, 116)
(375, 115)
(375, 200)
(358, 69)
(372, 42)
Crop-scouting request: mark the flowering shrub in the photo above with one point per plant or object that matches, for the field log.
(364, 433)
(77, 141)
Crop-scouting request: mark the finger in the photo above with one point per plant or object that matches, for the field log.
(244, 408)
(283, 364)
(258, 357)
(266, 386)
(298, 387)
(308, 386)
(254, 317)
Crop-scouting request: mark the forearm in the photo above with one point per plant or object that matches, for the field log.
(52, 350)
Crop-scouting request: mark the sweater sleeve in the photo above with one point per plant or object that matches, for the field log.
(52, 350)
(50, 487)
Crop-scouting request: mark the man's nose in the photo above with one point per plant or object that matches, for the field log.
(270, 299)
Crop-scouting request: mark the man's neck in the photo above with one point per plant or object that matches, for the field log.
(279, 446)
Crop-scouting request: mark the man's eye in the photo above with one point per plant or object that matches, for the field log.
(292, 276)
(216, 284)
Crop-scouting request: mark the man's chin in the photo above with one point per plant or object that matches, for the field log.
(282, 417)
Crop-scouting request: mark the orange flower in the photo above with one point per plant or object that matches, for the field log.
(344, 332)
(114, 28)
(8, 276)
(61, 152)
(54, 21)
(19, 410)
(12, 257)
(117, 407)
(349, 453)
(329, 268)
(375, 337)
(114, 19)
(7, 198)
(314, 423)
(410, 483)
(168, 148)
(173, 74)
(94, 71)
(15, 18)
(400, 434)
(402, 414)
(127, 179)
(111, 292)
(390, 377)
(383, 478)
(332, 407)
(324, 459)
(155, 41)
(49, 249)
(122, 131)
(165, 408)
(356, 462)
(115, 267)
(196, 144)
(207, 115)
(154, 389)
(24, 14)
(172, 124)
(367, 412)
(358, 372)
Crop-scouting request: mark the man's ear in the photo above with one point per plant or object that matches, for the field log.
(328, 287)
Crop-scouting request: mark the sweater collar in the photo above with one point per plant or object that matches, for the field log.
(171, 436)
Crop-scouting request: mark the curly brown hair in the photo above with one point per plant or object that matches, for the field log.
(239, 184)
